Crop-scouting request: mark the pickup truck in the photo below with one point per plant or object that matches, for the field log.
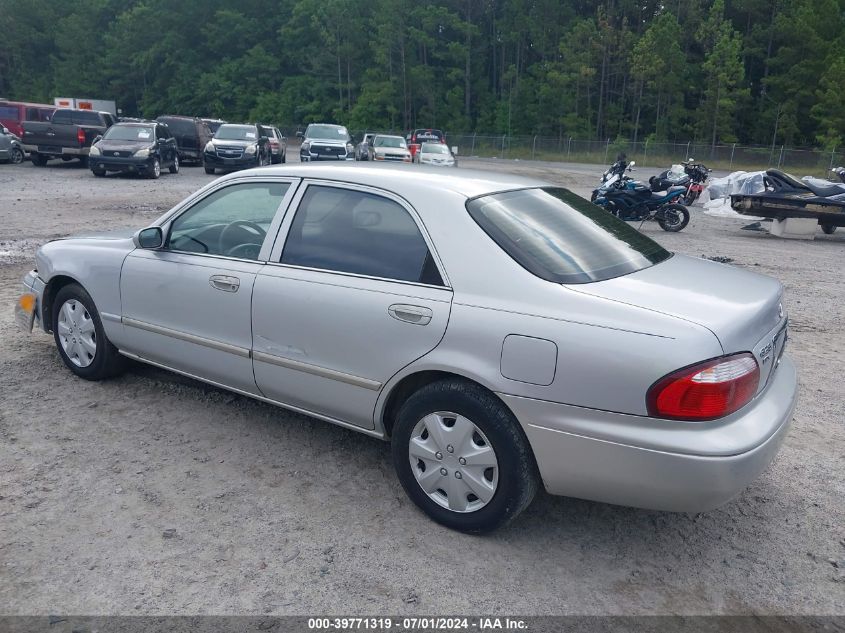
(67, 135)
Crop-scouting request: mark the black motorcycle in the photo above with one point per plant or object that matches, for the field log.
(693, 179)
(631, 200)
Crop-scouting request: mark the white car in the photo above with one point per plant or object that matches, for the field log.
(390, 148)
(435, 154)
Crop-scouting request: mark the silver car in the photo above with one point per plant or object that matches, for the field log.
(11, 148)
(436, 154)
(501, 333)
(386, 147)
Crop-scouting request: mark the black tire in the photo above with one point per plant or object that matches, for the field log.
(674, 218)
(37, 159)
(284, 158)
(107, 362)
(518, 478)
(99, 172)
(174, 167)
(208, 170)
(154, 170)
(593, 196)
(828, 229)
(16, 157)
(83, 161)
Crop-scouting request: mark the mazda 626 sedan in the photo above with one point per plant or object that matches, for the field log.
(500, 332)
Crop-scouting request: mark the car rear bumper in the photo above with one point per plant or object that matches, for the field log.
(692, 467)
(51, 150)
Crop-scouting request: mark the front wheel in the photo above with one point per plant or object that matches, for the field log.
(828, 229)
(154, 170)
(174, 168)
(17, 156)
(674, 217)
(80, 337)
(209, 170)
(462, 457)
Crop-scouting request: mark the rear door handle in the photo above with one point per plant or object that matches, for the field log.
(417, 315)
(225, 283)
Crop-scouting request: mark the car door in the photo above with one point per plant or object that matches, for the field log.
(164, 147)
(351, 295)
(187, 305)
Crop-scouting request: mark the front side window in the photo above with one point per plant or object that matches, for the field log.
(232, 222)
(351, 231)
(560, 237)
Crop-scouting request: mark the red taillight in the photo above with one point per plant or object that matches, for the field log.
(80, 136)
(706, 391)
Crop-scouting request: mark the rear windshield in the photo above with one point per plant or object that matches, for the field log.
(82, 117)
(561, 237)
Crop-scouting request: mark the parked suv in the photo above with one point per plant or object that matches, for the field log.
(237, 147)
(419, 136)
(324, 141)
(141, 148)
(14, 113)
(191, 134)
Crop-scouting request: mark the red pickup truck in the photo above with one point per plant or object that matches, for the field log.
(423, 135)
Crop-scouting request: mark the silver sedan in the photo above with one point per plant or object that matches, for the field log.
(501, 333)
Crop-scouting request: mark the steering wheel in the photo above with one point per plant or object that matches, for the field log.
(250, 229)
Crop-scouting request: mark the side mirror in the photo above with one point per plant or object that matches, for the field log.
(5, 130)
(151, 237)
(97, 139)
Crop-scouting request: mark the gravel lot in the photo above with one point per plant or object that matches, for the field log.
(154, 494)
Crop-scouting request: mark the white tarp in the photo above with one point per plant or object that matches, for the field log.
(716, 197)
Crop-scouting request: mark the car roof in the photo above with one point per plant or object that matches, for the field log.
(137, 123)
(412, 183)
(390, 136)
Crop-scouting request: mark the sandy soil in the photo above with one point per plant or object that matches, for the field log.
(153, 494)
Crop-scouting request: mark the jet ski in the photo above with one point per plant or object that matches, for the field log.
(787, 197)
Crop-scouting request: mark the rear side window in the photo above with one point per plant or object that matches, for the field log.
(560, 237)
(351, 231)
(10, 113)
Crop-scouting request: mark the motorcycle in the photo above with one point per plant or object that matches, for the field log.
(840, 173)
(631, 200)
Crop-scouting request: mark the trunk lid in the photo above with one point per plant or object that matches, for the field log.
(742, 308)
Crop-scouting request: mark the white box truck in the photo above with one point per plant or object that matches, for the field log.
(99, 105)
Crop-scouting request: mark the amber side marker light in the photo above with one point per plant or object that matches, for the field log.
(705, 391)
(27, 302)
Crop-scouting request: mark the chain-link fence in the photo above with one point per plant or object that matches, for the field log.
(730, 157)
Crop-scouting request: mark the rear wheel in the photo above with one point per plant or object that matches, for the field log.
(828, 229)
(80, 337)
(37, 159)
(462, 457)
(174, 168)
(674, 218)
(16, 157)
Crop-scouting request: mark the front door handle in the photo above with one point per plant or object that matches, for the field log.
(418, 315)
(225, 283)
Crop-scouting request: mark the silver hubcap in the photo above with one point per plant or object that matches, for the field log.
(17, 156)
(176, 163)
(156, 168)
(453, 462)
(77, 335)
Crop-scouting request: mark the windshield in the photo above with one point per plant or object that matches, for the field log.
(434, 148)
(129, 133)
(236, 133)
(327, 132)
(560, 237)
(390, 141)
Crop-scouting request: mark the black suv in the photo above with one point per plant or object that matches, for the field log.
(191, 135)
(324, 141)
(140, 148)
(237, 146)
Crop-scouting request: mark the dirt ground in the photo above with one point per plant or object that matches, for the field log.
(154, 494)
